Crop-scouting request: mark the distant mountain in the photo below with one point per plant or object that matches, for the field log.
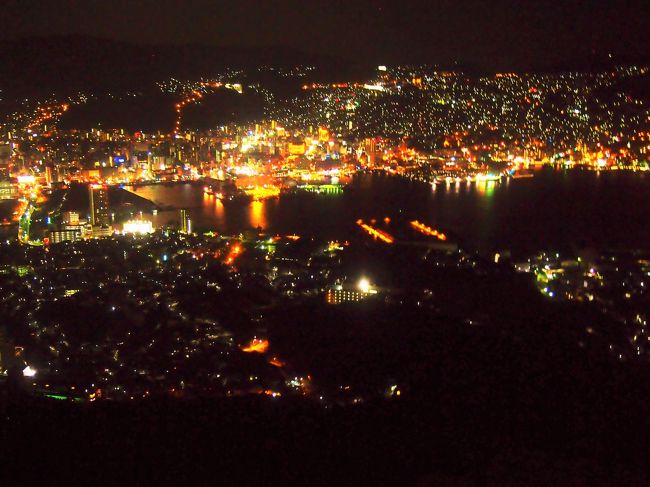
(41, 66)
(67, 64)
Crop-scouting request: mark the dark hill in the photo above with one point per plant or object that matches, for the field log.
(38, 66)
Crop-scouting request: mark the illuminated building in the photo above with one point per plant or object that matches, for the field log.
(297, 148)
(370, 148)
(26, 179)
(339, 294)
(137, 227)
(52, 175)
(70, 218)
(98, 232)
(323, 134)
(48, 175)
(99, 214)
(6, 190)
(186, 223)
(67, 235)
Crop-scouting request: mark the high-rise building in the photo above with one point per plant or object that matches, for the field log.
(49, 175)
(186, 223)
(370, 148)
(99, 212)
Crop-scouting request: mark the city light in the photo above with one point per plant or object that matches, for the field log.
(364, 285)
(26, 179)
(137, 227)
(256, 345)
(313, 151)
(376, 233)
(426, 230)
(29, 371)
(263, 192)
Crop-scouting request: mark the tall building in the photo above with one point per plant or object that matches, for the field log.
(99, 212)
(52, 175)
(186, 223)
(370, 148)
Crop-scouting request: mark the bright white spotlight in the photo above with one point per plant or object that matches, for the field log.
(364, 285)
(29, 372)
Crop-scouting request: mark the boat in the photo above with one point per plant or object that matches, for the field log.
(238, 197)
(522, 173)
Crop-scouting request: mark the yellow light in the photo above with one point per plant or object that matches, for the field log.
(256, 346)
(380, 234)
(426, 230)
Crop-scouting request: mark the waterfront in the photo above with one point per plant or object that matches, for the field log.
(555, 209)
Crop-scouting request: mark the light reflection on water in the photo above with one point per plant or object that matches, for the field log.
(553, 209)
(257, 214)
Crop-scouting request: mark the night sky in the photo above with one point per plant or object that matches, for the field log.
(469, 31)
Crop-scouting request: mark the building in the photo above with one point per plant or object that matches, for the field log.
(186, 223)
(102, 231)
(99, 210)
(340, 294)
(370, 149)
(51, 175)
(7, 191)
(323, 134)
(137, 227)
(70, 218)
(67, 235)
(296, 148)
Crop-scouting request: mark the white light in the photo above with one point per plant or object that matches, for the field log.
(138, 227)
(364, 285)
(29, 372)
(27, 179)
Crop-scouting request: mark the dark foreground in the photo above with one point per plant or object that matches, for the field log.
(493, 420)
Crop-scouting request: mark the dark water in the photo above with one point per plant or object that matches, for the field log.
(553, 210)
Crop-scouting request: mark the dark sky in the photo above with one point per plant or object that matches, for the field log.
(470, 31)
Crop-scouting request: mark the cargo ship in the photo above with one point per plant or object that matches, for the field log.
(522, 173)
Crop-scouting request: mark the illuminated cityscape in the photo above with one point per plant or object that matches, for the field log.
(405, 247)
